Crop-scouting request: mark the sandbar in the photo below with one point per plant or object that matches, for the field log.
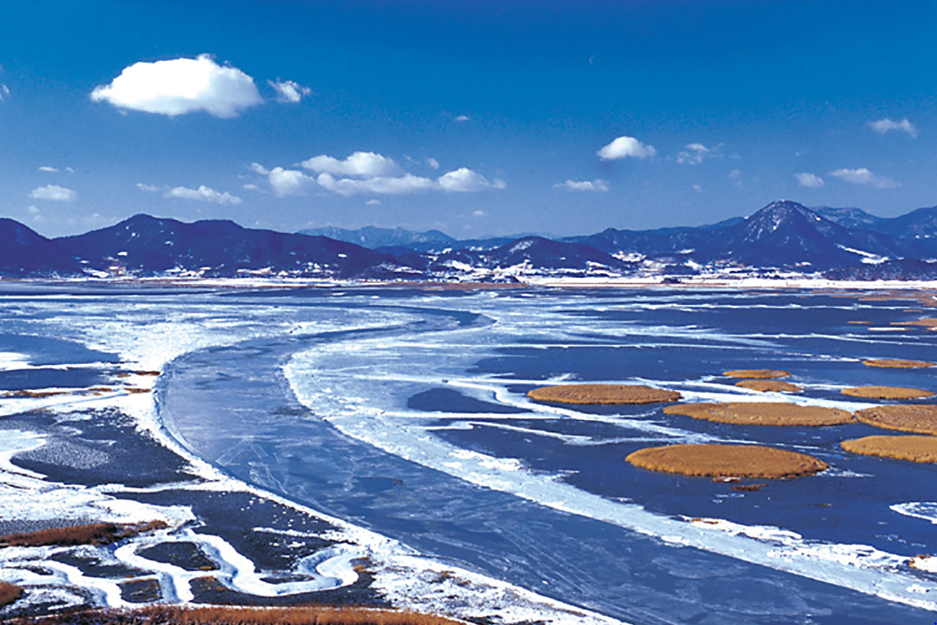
(919, 419)
(913, 448)
(769, 386)
(886, 392)
(763, 413)
(895, 363)
(602, 394)
(710, 460)
(757, 374)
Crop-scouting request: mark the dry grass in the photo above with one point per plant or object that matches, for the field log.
(926, 322)
(223, 615)
(91, 534)
(860, 323)
(894, 363)
(9, 593)
(769, 386)
(727, 461)
(913, 448)
(886, 392)
(602, 394)
(918, 419)
(763, 413)
(757, 374)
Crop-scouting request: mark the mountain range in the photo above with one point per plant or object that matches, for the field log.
(784, 237)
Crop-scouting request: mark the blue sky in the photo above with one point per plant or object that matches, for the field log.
(475, 118)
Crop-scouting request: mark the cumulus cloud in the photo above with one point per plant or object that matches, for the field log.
(882, 126)
(149, 188)
(365, 164)
(625, 147)
(382, 185)
(54, 193)
(695, 153)
(811, 181)
(181, 86)
(464, 180)
(203, 194)
(289, 91)
(583, 185)
(866, 177)
(286, 182)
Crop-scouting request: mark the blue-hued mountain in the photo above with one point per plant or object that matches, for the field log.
(783, 236)
(149, 245)
(24, 252)
(373, 237)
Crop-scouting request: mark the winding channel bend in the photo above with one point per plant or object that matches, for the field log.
(233, 407)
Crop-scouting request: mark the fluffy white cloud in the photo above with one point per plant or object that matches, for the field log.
(884, 125)
(383, 185)
(181, 86)
(811, 181)
(289, 181)
(289, 91)
(694, 154)
(625, 147)
(203, 194)
(464, 180)
(149, 188)
(583, 185)
(53, 192)
(365, 164)
(866, 177)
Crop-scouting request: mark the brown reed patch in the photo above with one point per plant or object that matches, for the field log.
(895, 363)
(769, 386)
(886, 392)
(926, 322)
(748, 488)
(602, 394)
(763, 413)
(757, 374)
(712, 460)
(149, 373)
(90, 534)
(915, 418)
(913, 448)
(225, 615)
(26, 394)
(9, 593)
(860, 323)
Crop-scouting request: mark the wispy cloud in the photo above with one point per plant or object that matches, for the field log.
(4, 92)
(811, 181)
(181, 86)
(885, 125)
(865, 177)
(148, 188)
(463, 118)
(626, 147)
(289, 91)
(203, 194)
(54, 193)
(597, 185)
(696, 153)
(47, 168)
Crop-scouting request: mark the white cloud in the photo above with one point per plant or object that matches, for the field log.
(373, 203)
(367, 164)
(882, 126)
(624, 147)
(583, 185)
(463, 118)
(289, 181)
(53, 192)
(149, 188)
(698, 188)
(432, 162)
(181, 86)
(866, 177)
(250, 187)
(811, 181)
(736, 177)
(289, 91)
(479, 213)
(203, 194)
(49, 169)
(33, 210)
(464, 180)
(694, 154)
(383, 185)
(4, 92)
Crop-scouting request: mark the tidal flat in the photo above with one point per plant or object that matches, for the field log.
(373, 446)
